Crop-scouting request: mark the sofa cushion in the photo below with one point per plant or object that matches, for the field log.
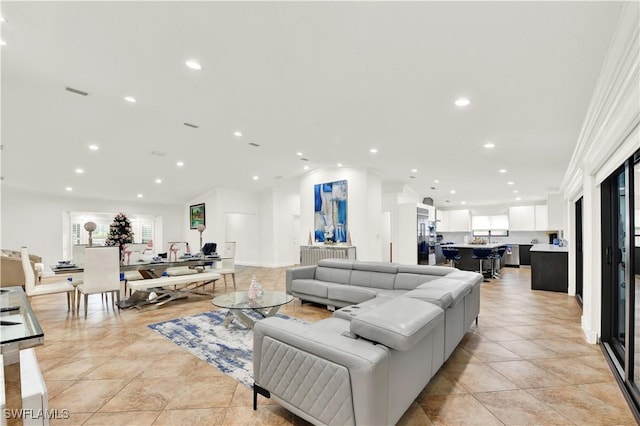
(399, 323)
(405, 281)
(348, 312)
(426, 270)
(438, 296)
(336, 263)
(468, 277)
(372, 279)
(458, 289)
(333, 275)
(387, 268)
(390, 293)
(350, 293)
(310, 287)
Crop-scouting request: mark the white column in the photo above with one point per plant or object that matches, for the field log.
(592, 267)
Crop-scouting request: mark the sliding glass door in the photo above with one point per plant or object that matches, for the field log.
(620, 266)
(579, 254)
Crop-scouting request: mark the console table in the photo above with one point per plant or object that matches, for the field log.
(20, 331)
(311, 255)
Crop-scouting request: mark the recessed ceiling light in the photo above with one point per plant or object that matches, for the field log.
(461, 102)
(179, 164)
(373, 151)
(256, 178)
(510, 183)
(489, 145)
(3, 43)
(139, 195)
(158, 180)
(436, 181)
(79, 171)
(339, 164)
(130, 99)
(299, 154)
(518, 198)
(68, 188)
(193, 65)
(414, 170)
(306, 167)
(238, 134)
(453, 191)
(2, 19)
(515, 191)
(502, 171)
(94, 147)
(463, 202)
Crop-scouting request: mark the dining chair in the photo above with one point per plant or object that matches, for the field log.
(226, 266)
(33, 289)
(149, 248)
(101, 274)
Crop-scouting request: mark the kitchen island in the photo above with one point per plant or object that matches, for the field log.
(467, 262)
(549, 268)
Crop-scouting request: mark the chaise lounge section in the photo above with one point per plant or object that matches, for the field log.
(396, 326)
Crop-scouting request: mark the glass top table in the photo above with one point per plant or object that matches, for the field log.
(265, 305)
(20, 327)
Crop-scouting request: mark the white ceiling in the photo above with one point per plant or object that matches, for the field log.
(330, 80)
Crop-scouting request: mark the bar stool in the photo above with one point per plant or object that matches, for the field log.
(451, 255)
(482, 254)
(497, 257)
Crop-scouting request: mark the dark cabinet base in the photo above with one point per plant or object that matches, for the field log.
(550, 271)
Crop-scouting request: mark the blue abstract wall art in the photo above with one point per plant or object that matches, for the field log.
(330, 212)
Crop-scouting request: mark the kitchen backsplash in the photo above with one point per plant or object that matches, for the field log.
(515, 237)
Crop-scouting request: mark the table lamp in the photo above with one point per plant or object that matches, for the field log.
(90, 227)
(201, 229)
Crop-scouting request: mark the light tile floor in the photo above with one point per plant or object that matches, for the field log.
(526, 363)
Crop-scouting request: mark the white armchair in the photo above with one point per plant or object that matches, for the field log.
(32, 289)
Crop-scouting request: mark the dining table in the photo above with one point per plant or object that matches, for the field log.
(148, 269)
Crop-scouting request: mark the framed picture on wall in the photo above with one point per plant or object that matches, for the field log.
(196, 215)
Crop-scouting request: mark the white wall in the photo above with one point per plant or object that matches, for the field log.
(269, 218)
(609, 136)
(36, 220)
(363, 211)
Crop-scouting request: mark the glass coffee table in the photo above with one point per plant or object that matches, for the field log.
(266, 305)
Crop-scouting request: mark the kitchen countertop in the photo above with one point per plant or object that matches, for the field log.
(472, 246)
(549, 248)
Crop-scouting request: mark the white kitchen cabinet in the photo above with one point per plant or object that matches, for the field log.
(480, 223)
(542, 223)
(443, 223)
(460, 220)
(499, 222)
(485, 223)
(453, 221)
(522, 218)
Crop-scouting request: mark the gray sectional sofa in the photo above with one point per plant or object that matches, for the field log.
(395, 327)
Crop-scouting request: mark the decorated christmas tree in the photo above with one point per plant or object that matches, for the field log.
(119, 231)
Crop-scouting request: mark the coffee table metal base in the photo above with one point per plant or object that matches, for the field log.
(246, 320)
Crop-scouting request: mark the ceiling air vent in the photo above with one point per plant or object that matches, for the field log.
(254, 144)
(76, 91)
(194, 126)
(304, 159)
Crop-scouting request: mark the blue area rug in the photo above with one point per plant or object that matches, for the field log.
(228, 349)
